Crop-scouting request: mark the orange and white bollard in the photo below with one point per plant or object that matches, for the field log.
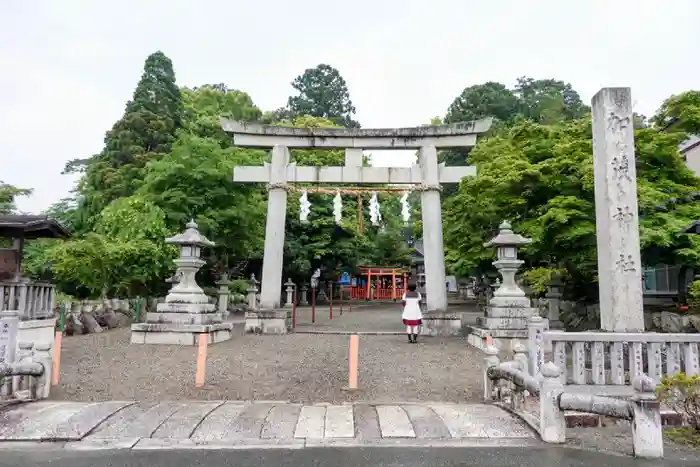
(56, 365)
(353, 361)
(201, 360)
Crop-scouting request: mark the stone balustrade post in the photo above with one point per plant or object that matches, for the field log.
(536, 326)
(492, 361)
(647, 434)
(24, 354)
(520, 356)
(552, 420)
(42, 355)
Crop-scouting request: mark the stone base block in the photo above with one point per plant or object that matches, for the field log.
(490, 322)
(183, 318)
(182, 334)
(504, 339)
(442, 324)
(509, 302)
(268, 321)
(180, 307)
(511, 311)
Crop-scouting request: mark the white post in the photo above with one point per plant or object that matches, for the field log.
(274, 230)
(42, 354)
(520, 356)
(491, 361)
(617, 219)
(647, 435)
(552, 419)
(431, 212)
(535, 343)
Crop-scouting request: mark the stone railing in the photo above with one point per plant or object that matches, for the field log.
(510, 386)
(33, 300)
(612, 359)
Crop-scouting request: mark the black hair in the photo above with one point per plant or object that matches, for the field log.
(412, 287)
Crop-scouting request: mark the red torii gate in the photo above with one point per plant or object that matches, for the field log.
(380, 293)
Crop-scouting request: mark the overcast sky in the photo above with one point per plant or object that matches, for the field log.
(67, 67)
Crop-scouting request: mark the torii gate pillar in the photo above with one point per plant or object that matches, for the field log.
(428, 175)
(431, 212)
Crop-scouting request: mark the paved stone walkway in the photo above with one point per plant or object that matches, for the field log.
(234, 424)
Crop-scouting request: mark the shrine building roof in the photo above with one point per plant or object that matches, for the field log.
(28, 226)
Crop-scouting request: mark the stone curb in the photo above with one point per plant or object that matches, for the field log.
(154, 444)
(411, 442)
(347, 333)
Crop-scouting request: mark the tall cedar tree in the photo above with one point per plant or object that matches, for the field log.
(323, 93)
(145, 133)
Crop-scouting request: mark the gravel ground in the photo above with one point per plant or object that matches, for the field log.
(384, 317)
(303, 368)
(363, 318)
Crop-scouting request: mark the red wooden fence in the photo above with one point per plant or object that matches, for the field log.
(360, 293)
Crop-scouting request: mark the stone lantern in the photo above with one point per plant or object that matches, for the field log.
(508, 310)
(507, 263)
(186, 314)
(252, 292)
(188, 264)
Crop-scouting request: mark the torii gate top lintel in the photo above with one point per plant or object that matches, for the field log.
(462, 134)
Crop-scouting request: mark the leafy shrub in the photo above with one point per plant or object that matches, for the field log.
(538, 278)
(694, 295)
(239, 286)
(682, 394)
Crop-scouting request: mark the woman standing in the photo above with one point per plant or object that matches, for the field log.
(412, 316)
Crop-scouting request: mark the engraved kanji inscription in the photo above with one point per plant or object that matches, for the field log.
(625, 264)
(621, 168)
(617, 123)
(623, 215)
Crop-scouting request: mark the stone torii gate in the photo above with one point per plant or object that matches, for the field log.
(427, 176)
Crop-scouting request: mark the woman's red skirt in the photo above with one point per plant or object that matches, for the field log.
(412, 322)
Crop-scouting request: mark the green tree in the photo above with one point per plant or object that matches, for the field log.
(8, 195)
(490, 99)
(323, 93)
(194, 180)
(126, 255)
(145, 133)
(681, 112)
(540, 177)
(548, 100)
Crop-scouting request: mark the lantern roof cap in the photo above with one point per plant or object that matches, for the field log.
(190, 236)
(506, 237)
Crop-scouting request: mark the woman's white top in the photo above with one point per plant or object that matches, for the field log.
(411, 309)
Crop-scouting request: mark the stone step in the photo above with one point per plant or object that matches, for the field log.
(190, 424)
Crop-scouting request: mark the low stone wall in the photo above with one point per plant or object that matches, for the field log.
(93, 316)
(656, 319)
